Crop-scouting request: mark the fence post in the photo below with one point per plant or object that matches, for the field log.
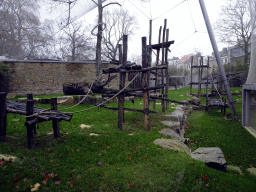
(3, 117)
(55, 123)
(30, 128)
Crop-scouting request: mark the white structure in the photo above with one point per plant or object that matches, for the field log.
(249, 88)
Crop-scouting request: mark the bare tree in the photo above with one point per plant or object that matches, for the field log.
(21, 31)
(118, 22)
(74, 43)
(233, 25)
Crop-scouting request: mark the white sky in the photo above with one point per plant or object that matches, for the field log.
(179, 21)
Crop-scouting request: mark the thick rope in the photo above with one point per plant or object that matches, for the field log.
(45, 112)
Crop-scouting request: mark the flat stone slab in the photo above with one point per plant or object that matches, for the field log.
(65, 100)
(212, 156)
(7, 157)
(177, 115)
(173, 145)
(252, 171)
(86, 99)
(234, 168)
(174, 125)
(170, 132)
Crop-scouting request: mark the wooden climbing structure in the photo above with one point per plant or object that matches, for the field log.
(34, 115)
(144, 72)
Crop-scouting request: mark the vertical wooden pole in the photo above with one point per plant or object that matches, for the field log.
(162, 71)
(3, 117)
(191, 76)
(30, 97)
(55, 123)
(30, 128)
(145, 84)
(208, 60)
(122, 84)
(166, 70)
(157, 59)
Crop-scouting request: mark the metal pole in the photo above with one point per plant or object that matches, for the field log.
(217, 55)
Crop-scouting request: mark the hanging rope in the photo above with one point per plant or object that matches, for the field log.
(45, 112)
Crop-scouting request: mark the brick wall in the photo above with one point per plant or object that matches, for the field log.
(48, 77)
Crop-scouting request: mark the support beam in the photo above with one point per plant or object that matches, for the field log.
(145, 83)
(55, 122)
(3, 117)
(30, 128)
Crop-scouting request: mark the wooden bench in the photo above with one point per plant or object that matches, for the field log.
(34, 115)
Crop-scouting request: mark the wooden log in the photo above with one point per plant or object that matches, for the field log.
(191, 75)
(167, 72)
(129, 109)
(33, 122)
(163, 63)
(121, 97)
(30, 128)
(208, 61)
(3, 117)
(55, 122)
(145, 83)
(30, 97)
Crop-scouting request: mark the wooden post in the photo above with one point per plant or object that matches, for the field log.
(157, 59)
(122, 83)
(166, 70)
(55, 123)
(145, 84)
(30, 128)
(30, 97)
(162, 71)
(208, 60)
(200, 70)
(191, 76)
(3, 117)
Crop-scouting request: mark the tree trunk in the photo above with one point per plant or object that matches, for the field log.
(99, 38)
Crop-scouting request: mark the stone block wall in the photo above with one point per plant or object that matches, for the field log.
(48, 77)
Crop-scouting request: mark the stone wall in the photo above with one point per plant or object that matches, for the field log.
(45, 77)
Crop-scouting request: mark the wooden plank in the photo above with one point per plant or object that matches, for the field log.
(162, 45)
(55, 122)
(3, 117)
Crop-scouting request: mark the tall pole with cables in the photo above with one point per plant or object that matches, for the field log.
(217, 55)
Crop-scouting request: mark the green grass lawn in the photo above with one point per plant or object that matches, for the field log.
(125, 160)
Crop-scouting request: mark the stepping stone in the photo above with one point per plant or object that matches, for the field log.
(170, 132)
(176, 115)
(173, 125)
(173, 145)
(252, 171)
(212, 156)
(7, 157)
(233, 168)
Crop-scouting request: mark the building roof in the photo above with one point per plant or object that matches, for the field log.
(185, 58)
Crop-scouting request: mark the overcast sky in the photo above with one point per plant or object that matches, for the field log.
(184, 17)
